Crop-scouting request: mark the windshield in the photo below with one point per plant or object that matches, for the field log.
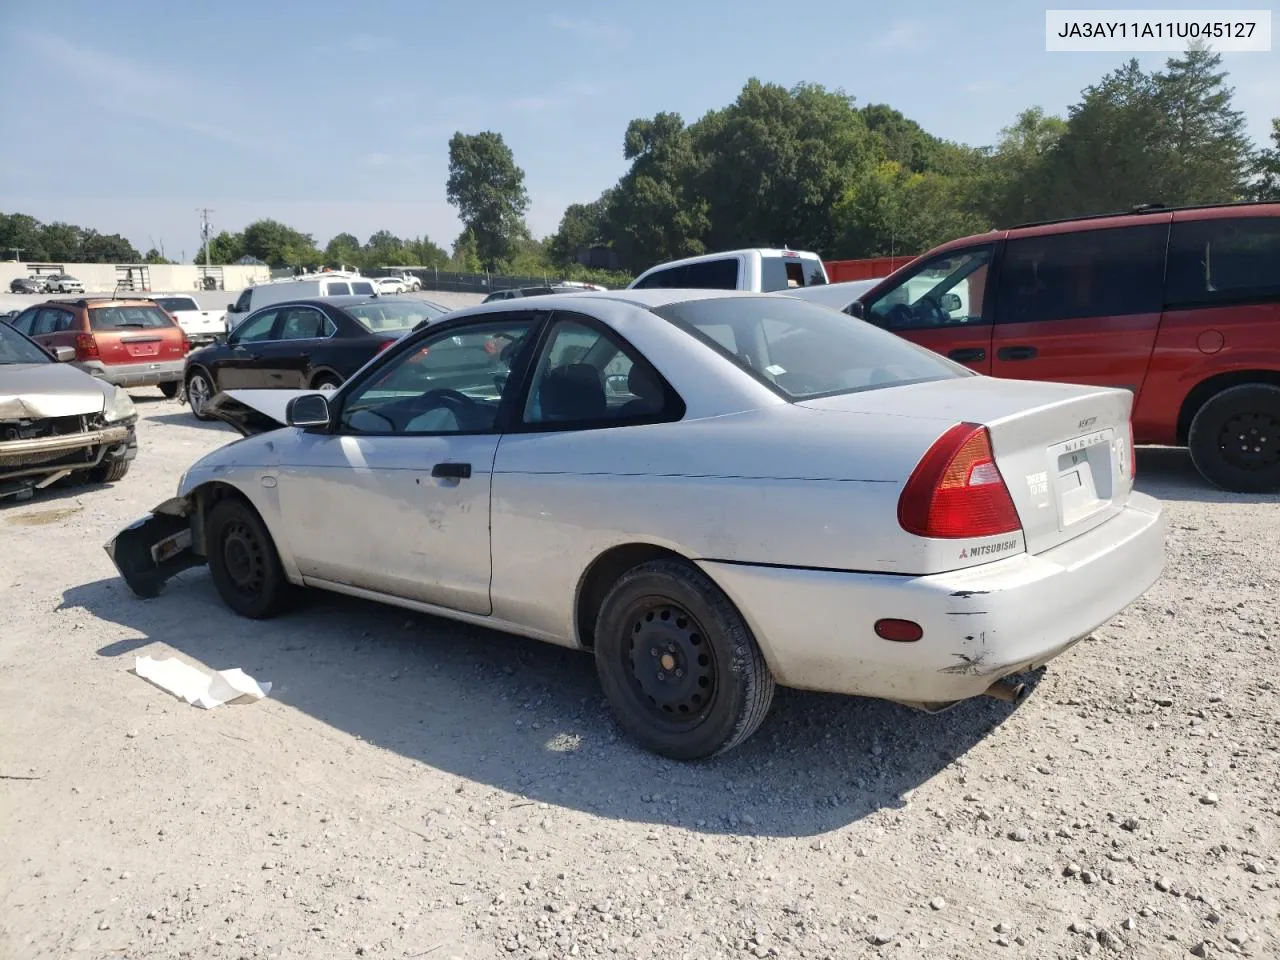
(175, 304)
(802, 350)
(128, 318)
(389, 316)
(15, 348)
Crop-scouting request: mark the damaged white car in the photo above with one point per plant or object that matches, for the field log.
(57, 421)
(712, 492)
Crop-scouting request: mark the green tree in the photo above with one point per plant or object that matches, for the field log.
(61, 241)
(1205, 155)
(488, 190)
(24, 233)
(1011, 186)
(343, 251)
(584, 225)
(154, 256)
(224, 248)
(106, 248)
(279, 245)
(466, 253)
(426, 254)
(654, 213)
(1266, 168)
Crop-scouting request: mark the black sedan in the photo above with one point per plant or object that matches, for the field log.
(302, 344)
(26, 285)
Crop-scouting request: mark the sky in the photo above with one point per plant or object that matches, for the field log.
(128, 116)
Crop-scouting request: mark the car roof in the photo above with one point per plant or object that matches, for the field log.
(644, 299)
(720, 254)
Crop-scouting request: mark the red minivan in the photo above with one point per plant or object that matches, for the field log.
(131, 343)
(1180, 306)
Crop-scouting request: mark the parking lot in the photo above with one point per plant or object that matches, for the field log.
(416, 788)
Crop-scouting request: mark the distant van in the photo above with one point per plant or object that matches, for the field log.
(757, 270)
(254, 298)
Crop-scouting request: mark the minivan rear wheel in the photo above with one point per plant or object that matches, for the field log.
(1235, 439)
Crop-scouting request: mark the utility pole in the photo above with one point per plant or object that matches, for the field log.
(204, 235)
(17, 253)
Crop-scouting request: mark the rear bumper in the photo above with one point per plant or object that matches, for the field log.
(816, 628)
(145, 374)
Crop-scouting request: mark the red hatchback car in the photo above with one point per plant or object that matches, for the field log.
(1180, 306)
(131, 343)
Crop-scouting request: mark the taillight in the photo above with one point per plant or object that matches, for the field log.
(384, 344)
(87, 347)
(956, 489)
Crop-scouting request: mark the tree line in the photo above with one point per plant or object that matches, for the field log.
(803, 167)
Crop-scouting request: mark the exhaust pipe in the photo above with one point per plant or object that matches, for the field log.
(1007, 690)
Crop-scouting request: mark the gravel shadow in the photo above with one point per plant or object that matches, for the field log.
(1168, 474)
(528, 717)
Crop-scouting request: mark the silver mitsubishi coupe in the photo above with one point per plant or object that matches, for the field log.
(712, 492)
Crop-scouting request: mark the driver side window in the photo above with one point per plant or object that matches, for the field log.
(452, 382)
(945, 291)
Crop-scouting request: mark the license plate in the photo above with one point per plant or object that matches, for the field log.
(142, 349)
(1085, 475)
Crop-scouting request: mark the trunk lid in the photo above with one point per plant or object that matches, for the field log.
(1063, 450)
(136, 334)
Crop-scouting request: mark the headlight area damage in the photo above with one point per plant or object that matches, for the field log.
(171, 539)
(151, 550)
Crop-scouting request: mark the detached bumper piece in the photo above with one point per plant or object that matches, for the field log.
(153, 549)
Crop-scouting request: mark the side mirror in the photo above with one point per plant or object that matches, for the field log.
(231, 307)
(63, 354)
(856, 309)
(949, 302)
(310, 410)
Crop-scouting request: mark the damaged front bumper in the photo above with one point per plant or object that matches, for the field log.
(151, 550)
(39, 461)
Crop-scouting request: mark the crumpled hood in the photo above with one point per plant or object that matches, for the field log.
(33, 391)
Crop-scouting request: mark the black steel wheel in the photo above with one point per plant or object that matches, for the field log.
(243, 560)
(679, 666)
(1235, 439)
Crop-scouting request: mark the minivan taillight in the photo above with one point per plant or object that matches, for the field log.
(384, 344)
(956, 489)
(87, 347)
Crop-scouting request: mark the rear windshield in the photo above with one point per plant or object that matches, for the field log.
(338, 289)
(128, 318)
(802, 350)
(394, 316)
(362, 286)
(174, 304)
(786, 273)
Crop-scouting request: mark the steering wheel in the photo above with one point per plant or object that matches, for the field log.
(453, 401)
(928, 310)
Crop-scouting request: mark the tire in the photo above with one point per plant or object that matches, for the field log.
(678, 664)
(1235, 439)
(325, 382)
(170, 389)
(112, 471)
(243, 560)
(197, 397)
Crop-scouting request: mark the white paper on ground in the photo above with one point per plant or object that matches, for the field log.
(197, 687)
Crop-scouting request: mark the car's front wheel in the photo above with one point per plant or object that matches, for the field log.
(111, 471)
(1235, 439)
(678, 664)
(170, 389)
(243, 560)
(199, 391)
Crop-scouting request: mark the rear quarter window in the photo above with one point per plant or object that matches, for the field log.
(127, 318)
(338, 289)
(362, 287)
(1235, 259)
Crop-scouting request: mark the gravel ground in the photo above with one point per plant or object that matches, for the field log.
(413, 788)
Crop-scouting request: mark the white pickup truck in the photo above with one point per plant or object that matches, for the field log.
(201, 326)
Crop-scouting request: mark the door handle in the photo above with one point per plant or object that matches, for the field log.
(1016, 353)
(968, 354)
(452, 471)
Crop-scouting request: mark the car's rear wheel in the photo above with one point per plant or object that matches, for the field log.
(170, 389)
(326, 382)
(243, 560)
(199, 391)
(1235, 439)
(678, 664)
